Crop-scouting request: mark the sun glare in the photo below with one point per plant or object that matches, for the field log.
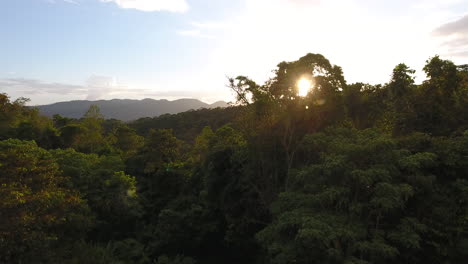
(304, 86)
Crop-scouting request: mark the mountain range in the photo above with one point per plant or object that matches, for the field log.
(126, 109)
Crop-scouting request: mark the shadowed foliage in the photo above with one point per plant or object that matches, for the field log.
(304, 168)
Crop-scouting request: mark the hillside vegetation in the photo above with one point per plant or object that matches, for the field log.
(345, 173)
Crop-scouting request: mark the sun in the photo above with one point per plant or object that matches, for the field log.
(304, 86)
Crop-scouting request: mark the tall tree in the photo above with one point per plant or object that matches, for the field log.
(401, 89)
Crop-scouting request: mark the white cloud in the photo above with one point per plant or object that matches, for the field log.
(152, 5)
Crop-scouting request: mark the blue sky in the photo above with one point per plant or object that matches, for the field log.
(56, 50)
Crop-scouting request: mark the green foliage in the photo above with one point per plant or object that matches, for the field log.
(38, 212)
(186, 225)
(110, 193)
(361, 198)
(71, 135)
(363, 104)
(347, 173)
(176, 260)
(160, 150)
(340, 201)
(11, 114)
(126, 251)
(187, 125)
(86, 135)
(60, 121)
(82, 252)
(18, 121)
(126, 140)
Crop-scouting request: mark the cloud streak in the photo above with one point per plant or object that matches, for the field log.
(34, 87)
(176, 6)
(199, 29)
(96, 88)
(458, 27)
(456, 33)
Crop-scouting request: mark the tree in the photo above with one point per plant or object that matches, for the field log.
(159, 171)
(60, 121)
(231, 189)
(277, 117)
(10, 114)
(110, 193)
(93, 139)
(126, 140)
(363, 104)
(402, 83)
(461, 97)
(160, 149)
(39, 214)
(401, 89)
(348, 203)
(72, 135)
(443, 77)
(19, 121)
(437, 97)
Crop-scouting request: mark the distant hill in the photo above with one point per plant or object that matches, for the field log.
(126, 109)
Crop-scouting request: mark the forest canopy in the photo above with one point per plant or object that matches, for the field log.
(304, 168)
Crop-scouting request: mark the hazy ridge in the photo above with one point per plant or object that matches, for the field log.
(126, 109)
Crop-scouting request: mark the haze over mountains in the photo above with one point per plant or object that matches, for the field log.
(126, 109)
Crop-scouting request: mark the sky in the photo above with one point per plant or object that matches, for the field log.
(61, 50)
